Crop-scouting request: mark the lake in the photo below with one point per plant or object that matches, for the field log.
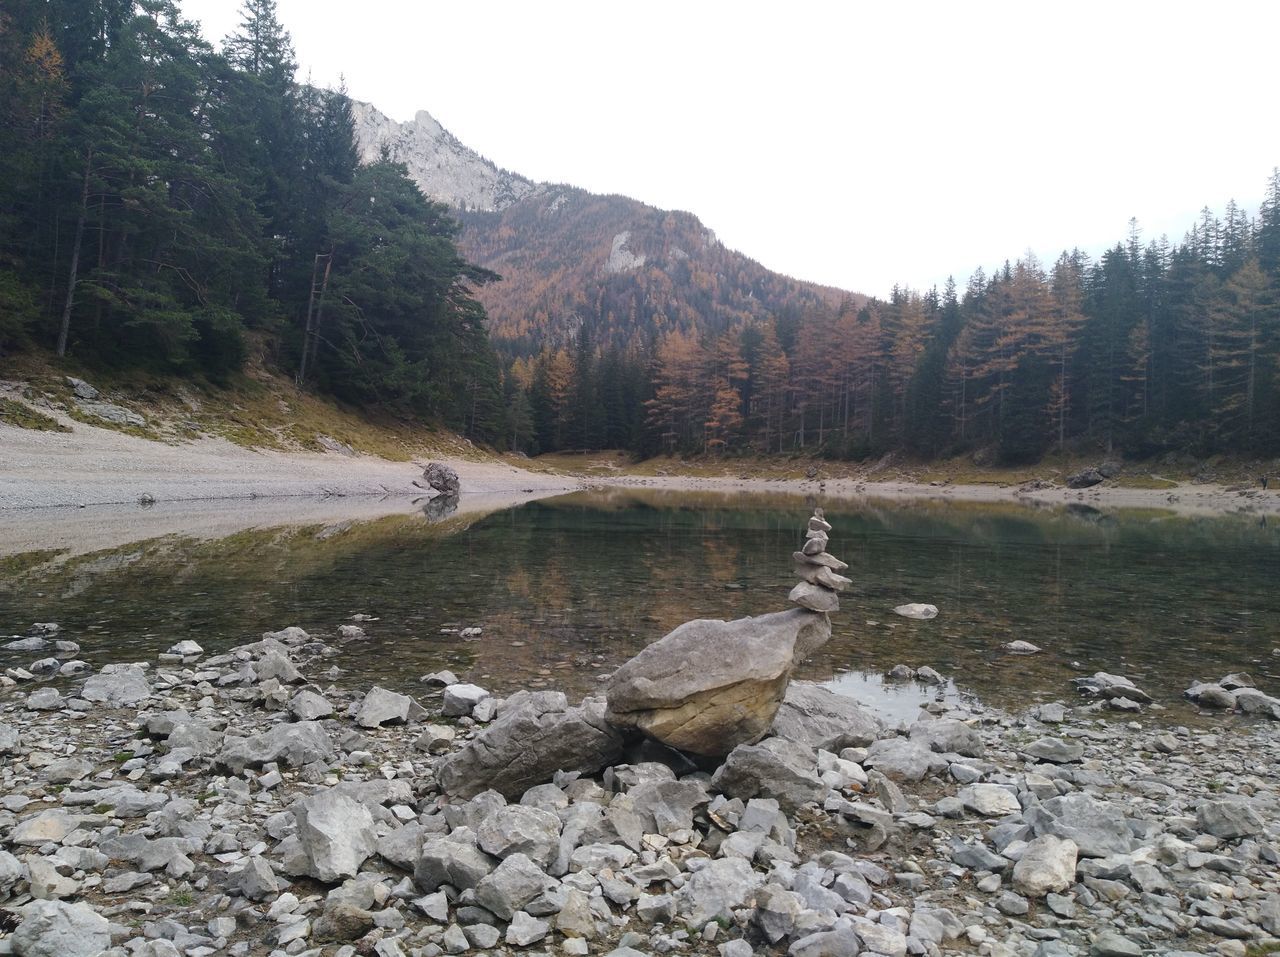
(566, 589)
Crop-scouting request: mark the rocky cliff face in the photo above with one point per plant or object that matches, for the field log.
(443, 167)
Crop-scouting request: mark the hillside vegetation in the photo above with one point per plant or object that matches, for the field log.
(170, 210)
(164, 204)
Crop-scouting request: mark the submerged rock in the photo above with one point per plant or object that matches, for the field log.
(917, 611)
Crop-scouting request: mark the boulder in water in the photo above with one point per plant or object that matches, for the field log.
(917, 611)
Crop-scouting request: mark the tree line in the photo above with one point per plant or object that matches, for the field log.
(165, 205)
(1149, 348)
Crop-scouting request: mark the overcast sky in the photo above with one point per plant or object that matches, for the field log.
(854, 144)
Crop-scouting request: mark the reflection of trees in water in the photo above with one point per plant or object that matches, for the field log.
(574, 589)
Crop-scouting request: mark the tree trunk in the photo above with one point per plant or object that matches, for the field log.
(65, 328)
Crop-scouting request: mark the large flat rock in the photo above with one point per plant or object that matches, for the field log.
(711, 685)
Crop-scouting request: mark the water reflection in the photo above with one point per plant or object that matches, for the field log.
(566, 589)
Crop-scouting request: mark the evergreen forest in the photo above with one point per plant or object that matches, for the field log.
(166, 205)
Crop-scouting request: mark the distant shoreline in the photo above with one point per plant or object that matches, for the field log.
(222, 488)
(1184, 499)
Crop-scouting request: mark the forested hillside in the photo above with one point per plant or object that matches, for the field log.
(630, 272)
(166, 206)
(1149, 348)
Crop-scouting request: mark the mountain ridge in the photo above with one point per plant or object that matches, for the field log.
(571, 258)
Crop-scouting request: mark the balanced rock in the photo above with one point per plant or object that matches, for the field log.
(711, 685)
(815, 597)
(819, 583)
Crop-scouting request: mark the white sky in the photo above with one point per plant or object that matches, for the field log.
(854, 144)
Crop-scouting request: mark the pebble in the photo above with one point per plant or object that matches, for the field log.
(200, 846)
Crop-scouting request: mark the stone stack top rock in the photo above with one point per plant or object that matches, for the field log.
(821, 583)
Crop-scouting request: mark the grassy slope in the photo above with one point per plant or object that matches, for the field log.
(257, 409)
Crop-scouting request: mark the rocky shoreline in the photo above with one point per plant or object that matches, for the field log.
(229, 805)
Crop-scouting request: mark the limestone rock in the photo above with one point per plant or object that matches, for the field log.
(517, 829)
(715, 890)
(917, 611)
(822, 575)
(1047, 865)
(58, 929)
(449, 860)
(948, 736)
(814, 597)
(1020, 647)
(460, 699)
(336, 835)
(775, 768)
(511, 885)
(1111, 687)
(309, 706)
(1211, 695)
(525, 930)
(536, 735)
(1098, 828)
(815, 716)
(1229, 818)
(1055, 750)
(381, 706)
(442, 478)
(117, 686)
(292, 744)
(1251, 701)
(710, 685)
(256, 881)
(901, 760)
(989, 800)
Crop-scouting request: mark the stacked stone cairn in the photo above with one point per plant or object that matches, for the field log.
(821, 582)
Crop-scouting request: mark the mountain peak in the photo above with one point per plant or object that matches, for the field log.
(445, 169)
(570, 258)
